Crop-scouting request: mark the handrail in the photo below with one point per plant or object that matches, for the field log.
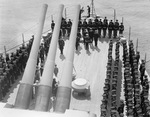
(22, 43)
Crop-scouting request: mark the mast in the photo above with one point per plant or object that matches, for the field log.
(122, 19)
(92, 12)
(136, 45)
(23, 39)
(92, 8)
(65, 14)
(114, 15)
(129, 33)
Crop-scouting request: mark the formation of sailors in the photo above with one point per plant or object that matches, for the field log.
(136, 85)
(103, 26)
(110, 88)
(42, 54)
(12, 66)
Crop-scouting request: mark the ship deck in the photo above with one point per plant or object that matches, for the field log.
(88, 65)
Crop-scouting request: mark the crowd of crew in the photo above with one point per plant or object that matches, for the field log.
(136, 85)
(11, 67)
(13, 64)
(136, 88)
(90, 30)
(110, 88)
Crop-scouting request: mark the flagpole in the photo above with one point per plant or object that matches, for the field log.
(5, 51)
(122, 19)
(137, 45)
(129, 33)
(114, 15)
(23, 39)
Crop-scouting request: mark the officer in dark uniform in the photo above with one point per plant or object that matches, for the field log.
(91, 34)
(105, 25)
(100, 26)
(110, 28)
(64, 27)
(78, 40)
(52, 25)
(142, 71)
(79, 25)
(84, 25)
(41, 68)
(96, 35)
(69, 25)
(137, 57)
(61, 45)
(42, 53)
(12, 77)
(89, 25)
(54, 87)
(88, 11)
(87, 41)
(7, 57)
(121, 29)
(116, 28)
(81, 11)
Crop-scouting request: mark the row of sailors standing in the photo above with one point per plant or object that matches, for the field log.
(12, 66)
(105, 26)
(65, 28)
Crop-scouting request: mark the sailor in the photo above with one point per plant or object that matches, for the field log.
(15, 69)
(88, 9)
(81, 11)
(121, 29)
(87, 41)
(91, 34)
(116, 28)
(52, 25)
(78, 40)
(7, 57)
(2, 86)
(42, 53)
(142, 71)
(10, 66)
(84, 32)
(63, 27)
(8, 75)
(110, 28)
(84, 25)
(137, 57)
(100, 26)
(25, 58)
(69, 25)
(61, 45)
(96, 20)
(105, 25)
(37, 74)
(41, 68)
(89, 25)
(56, 70)
(79, 25)
(54, 86)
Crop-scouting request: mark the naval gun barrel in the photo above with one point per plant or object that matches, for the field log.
(64, 89)
(45, 87)
(25, 89)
